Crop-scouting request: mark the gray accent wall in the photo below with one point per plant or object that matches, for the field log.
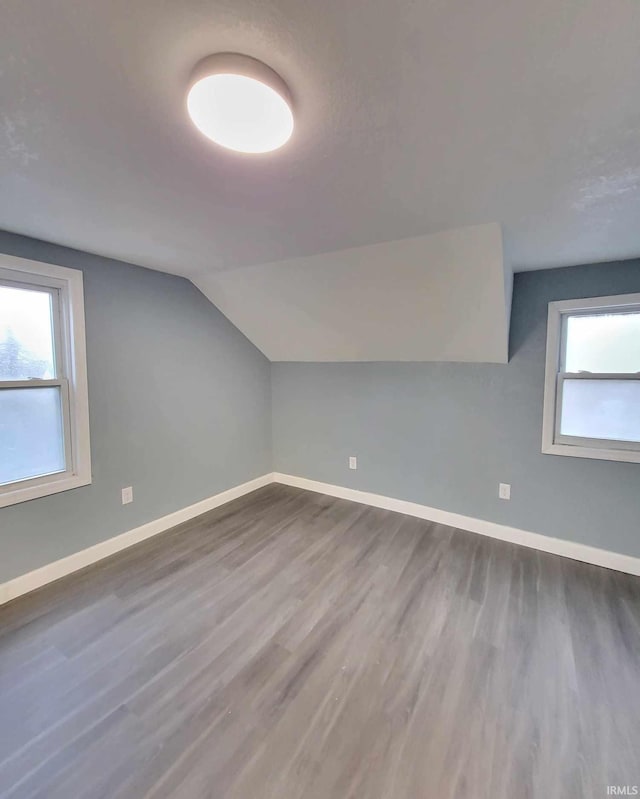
(179, 402)
(445, 435)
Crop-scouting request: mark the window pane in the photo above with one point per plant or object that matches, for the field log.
(603, 343)
(26, 337)
(31, 433)
(608, 409)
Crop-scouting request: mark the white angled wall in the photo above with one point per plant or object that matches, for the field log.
(433, 298)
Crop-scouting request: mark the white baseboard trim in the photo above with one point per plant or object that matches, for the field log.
(556, 546)
(60, 568)
(545, 543)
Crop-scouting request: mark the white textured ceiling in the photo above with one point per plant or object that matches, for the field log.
(413, 116)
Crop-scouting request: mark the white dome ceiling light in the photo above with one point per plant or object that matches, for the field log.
(240, 103)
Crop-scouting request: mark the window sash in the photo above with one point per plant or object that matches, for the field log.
(597, 311)
(59, 360)
(35, 384)
(601, 443)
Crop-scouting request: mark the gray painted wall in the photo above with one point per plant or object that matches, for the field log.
(179, 404)
(180, 407)
(445, 435)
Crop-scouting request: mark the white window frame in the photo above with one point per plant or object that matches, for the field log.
(66, 288)
(553, 443)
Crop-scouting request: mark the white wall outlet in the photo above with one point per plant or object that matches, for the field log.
(127, 495)
(353, 462)
(504, 491)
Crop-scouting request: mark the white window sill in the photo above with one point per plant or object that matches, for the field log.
(573, 451)
(44, 487)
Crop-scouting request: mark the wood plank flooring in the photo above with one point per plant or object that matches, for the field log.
(293, 645)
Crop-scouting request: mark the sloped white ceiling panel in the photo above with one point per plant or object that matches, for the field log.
(439, 297)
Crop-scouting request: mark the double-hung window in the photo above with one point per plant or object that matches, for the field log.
(592, 386)
(44, 413)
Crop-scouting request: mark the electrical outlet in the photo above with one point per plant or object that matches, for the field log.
(127, 495)
(504, 491)
(353, 462)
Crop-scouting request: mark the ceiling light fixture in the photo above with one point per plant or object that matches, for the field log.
(240, 103)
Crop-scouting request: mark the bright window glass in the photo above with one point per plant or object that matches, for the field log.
(601, 409)
(604, 343)
(26, 334)
(31, 433)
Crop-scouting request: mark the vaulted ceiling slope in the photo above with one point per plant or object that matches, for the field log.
(411, 118)
(443, 297)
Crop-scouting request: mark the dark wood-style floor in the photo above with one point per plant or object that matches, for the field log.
(293, 645)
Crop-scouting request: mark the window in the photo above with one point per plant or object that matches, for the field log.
(44, 413)
(592, 385)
